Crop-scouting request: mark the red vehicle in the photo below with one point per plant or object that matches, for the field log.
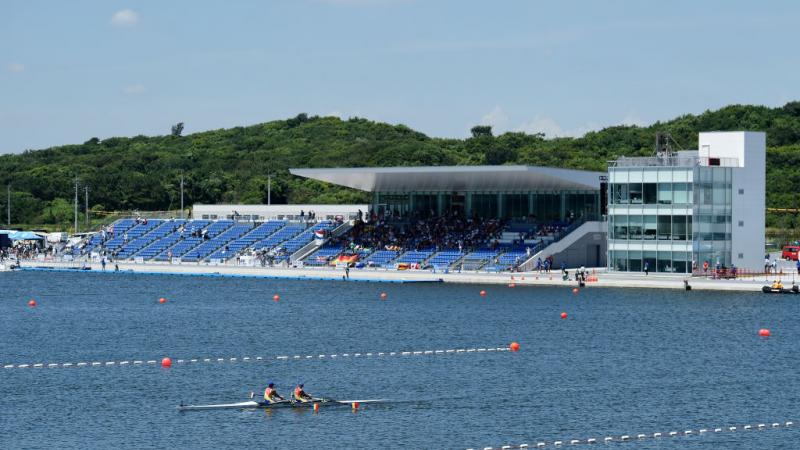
(790, 252)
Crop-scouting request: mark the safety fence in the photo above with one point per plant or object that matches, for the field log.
(745, 274)
(643, 436)
(166, 361)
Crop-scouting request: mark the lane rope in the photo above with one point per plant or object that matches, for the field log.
(643, 436)
(148, 362)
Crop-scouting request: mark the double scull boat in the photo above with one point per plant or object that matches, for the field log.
(251, 404)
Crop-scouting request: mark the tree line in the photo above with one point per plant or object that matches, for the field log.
(232, 165)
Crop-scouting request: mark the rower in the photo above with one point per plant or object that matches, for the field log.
(271, 395)
(300, 395)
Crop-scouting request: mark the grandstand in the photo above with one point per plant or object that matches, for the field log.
(434, 218)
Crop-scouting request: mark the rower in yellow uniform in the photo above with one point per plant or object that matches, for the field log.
(300, 395)
(271, 395)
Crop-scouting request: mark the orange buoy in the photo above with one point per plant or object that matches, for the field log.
(764, 332)
(563, 315)
(383, 295)
(574, 290)
(276, 297)
(483, 293)
(514, 346)
(512, 285)
(355, 405)
(162, 300)
(32, 303)
(316, 407)
(166, 362)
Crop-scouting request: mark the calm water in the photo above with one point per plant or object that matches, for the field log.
(626, 361)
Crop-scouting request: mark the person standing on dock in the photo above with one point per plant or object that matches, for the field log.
(646, 268)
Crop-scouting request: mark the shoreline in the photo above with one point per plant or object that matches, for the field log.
(519, 279)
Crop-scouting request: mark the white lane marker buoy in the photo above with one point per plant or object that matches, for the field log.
(641, 436)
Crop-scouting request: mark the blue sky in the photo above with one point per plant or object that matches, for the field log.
(73, 70)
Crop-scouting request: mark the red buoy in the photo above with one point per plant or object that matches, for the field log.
(166, 362)
(514, 346)
(764, 332)
(483, 293)
(32, 303)
(574, 290)
(355, 405)
(383, 295)
(563, 315)
(162, 300)
(316, 407)
(276, 297)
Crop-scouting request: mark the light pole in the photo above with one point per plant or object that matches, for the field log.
(269, 188)
(181, 195)
(76, 204)
(8, 205)
(86, 205)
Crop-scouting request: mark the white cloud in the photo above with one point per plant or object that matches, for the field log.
(16, 67)
(125, 18)
(633, 119)
(552, 129)
(134, 89)
(545, 125)
(497, 118)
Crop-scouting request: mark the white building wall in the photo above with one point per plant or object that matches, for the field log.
(748, 191)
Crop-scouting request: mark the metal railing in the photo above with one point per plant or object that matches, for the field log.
(673, 161)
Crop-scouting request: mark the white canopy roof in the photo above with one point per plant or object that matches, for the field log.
(456, 178)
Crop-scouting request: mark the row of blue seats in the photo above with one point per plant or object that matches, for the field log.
(414, 256)
(321, 256)
(160, 245)
(132, 247)
(206, 248)
(282, 235)
(121, 240)
(445, 258)
(296, 243)
(190, 242)
(381, 257)
(259, 233)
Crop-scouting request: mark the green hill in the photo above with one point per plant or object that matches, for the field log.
(231, 165)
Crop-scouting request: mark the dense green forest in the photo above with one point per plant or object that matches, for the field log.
(231, 165)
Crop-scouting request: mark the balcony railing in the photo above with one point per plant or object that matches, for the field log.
(673, 161)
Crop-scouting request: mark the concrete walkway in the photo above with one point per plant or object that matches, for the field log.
(620, 280)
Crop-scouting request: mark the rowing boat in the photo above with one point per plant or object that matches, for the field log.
(250, 404)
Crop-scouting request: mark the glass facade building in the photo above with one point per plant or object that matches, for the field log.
(544, 206)
(669, 214)
(545, 194)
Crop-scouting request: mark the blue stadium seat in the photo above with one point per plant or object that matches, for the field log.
(237, 245)
(217, 242)
(381, 258)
